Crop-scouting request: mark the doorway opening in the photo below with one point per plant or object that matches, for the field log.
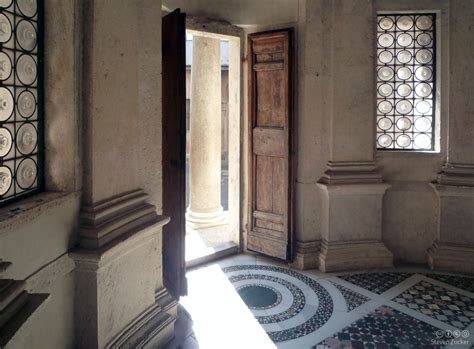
(212, 146)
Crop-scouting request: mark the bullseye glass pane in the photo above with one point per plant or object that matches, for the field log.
(21, 117)
(405, 73)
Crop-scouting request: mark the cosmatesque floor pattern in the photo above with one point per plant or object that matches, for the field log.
(248, 301)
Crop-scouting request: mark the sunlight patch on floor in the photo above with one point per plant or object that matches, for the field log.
(220, 317)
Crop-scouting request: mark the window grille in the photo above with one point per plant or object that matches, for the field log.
(21, 117)
(406, 77)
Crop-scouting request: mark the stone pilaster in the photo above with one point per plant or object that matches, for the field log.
(205, 208)
(118, 260)
(454, 247)
(352, 221)
(351, 187)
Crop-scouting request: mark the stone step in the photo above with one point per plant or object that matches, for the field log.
(9, 291)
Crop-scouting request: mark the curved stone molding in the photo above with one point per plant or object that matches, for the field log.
(153, 328)
(108, 220)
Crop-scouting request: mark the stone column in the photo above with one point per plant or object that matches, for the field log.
(454, 246)
(205, 208)
(352, 187)
(118, 261)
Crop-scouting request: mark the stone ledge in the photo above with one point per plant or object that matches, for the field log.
(352, 255)
(457, 175)
(446, 190)
(48, 274)
(350, 172)
(26, 210)
(353, 189)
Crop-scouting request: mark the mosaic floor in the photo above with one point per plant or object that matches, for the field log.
(249, 301)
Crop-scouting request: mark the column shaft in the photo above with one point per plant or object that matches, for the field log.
(205, 141)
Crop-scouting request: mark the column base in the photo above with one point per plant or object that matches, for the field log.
(306, 255)
(450, 257)
(352, 255)
(203, 220)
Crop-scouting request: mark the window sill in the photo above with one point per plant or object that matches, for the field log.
(29, 208)
(407, 152)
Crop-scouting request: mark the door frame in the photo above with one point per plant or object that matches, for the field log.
(236, 36)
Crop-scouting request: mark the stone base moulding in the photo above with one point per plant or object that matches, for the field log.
(352, 222)
(107, 276)
(450, 257)
(351, 255)
(454, 248)
(306, 255)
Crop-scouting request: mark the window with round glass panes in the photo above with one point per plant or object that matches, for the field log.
(405, 71)
(21, 119)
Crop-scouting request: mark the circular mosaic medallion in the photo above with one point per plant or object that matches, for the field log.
(259, 287)
(259, 296)
(298, 301)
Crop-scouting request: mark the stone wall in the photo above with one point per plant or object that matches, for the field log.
(410, 206)
(36, 233)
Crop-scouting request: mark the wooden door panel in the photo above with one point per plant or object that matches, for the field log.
(280, 185)
(269, 142)
(264, 184)
(271, 99)
(174, 150)
(271, 123)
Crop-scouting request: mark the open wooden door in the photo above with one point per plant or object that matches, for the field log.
(271, 126)
(174, 149)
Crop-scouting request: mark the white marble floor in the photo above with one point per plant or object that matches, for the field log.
(395, 308)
